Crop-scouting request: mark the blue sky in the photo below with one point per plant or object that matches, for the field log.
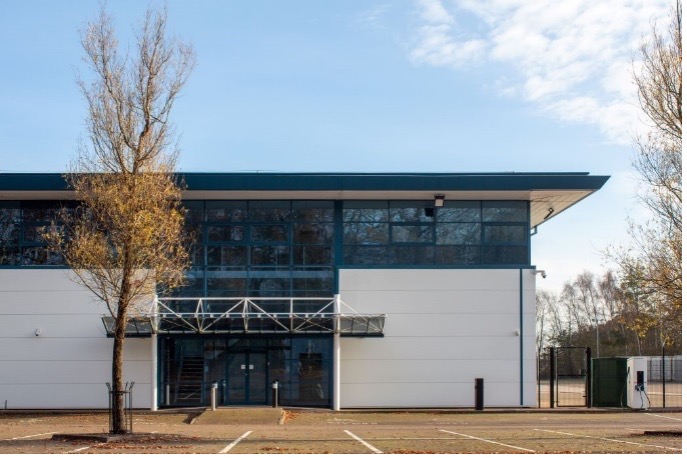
(368, 86)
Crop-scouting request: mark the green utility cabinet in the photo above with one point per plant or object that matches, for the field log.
(609, 382)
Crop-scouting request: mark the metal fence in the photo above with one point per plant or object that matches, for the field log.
(663, 387)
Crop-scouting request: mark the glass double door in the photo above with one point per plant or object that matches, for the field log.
(246, 378)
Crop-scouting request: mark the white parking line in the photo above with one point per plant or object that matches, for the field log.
(662, 416)
(78, 449)
(607, 439)
(230, 446)
(25, 437)
(487, 440)
(375, 450)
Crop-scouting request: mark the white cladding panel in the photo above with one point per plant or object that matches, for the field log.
(444, 328)
(67, 365)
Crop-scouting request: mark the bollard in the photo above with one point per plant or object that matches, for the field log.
(213, 396)
(275, 393)
(479, 394)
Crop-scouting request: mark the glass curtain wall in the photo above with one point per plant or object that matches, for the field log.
(287, 248)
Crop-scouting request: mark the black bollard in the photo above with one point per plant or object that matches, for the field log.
(479, 394)
(275, 393)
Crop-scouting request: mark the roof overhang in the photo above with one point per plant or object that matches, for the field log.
(549, 193)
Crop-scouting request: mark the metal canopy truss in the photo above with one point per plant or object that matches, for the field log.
(252, 315)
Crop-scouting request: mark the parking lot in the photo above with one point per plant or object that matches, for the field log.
(266, 430)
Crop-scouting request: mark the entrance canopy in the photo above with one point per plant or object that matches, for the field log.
(251, 315)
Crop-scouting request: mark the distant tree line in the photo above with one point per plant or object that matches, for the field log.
(607, 313)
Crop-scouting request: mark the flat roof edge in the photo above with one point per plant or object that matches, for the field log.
(509, 181)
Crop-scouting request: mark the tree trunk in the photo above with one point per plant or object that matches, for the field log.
(119, 425)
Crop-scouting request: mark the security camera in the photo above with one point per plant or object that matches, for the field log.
(38, 332)
(541, 272)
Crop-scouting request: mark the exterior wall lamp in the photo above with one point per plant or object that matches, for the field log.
(439, 200)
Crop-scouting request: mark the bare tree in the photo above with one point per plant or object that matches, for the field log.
(653, 262)
(126, 239)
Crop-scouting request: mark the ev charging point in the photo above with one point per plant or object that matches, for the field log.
(637, 377)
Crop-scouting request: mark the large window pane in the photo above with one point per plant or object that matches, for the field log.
(271, 233)
(505, 233)
(9, 226)
(412, 211)
(34, 234)
(226, 210)
(227, 256)
(227, 282)
(458, 234)
(269, 210)
(40, 256)
(458, 255)
(460, 212)
(197, 255)
(313, 280)
(313, 210)
(366, 255)
(313, 233)
(411, 255)
(366, 233)
(40, 212)
(269, 283)
(270, 255)
(505, 254)
(225, 233)
(195, 212)
(9, 255)
(504, 211)
(375, 211)
(312, 255)
(412, 234)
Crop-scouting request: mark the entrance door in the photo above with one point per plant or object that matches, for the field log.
(247, 378)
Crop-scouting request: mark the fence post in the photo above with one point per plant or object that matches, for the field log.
(552, 372)
(588, 382)
(539, 378)
(663, 372)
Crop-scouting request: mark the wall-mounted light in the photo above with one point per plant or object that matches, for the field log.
(517, 332)
(439, 200)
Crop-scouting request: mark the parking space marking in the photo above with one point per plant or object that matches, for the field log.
(487, 440)
(610, 440)
(663, 416)
(375, 450)
(230, 446)
(26, 437)
(78, 449)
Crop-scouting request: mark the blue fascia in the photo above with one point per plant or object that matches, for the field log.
(343, 181)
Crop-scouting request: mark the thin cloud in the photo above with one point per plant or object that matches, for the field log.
(372, 18)
(571, 59)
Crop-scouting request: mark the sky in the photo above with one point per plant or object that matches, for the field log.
(368, 86)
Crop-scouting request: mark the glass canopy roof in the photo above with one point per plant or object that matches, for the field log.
(245, 315)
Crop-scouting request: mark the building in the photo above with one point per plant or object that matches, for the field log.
(352, 290)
